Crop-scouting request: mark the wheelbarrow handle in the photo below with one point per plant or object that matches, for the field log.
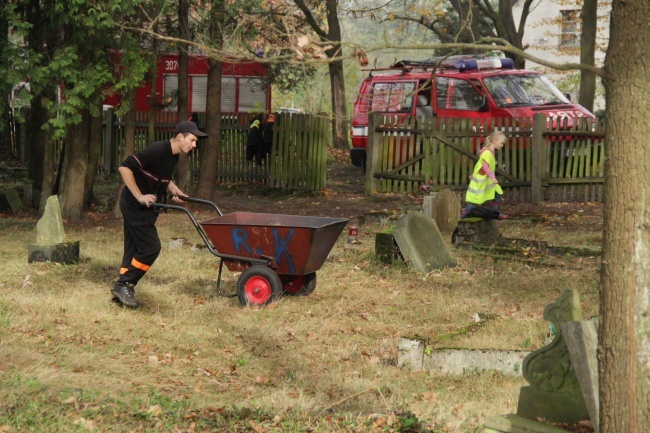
(263, 260)
(201, 201)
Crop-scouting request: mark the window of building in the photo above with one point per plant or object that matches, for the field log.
(570, 31)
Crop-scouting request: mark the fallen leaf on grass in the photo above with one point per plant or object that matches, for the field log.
(155, 410)
(85, 423)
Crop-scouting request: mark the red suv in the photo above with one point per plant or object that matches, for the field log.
(463, 86)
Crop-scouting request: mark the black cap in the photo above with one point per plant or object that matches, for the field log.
(189, 126)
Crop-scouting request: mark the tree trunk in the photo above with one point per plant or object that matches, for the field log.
(94, 153)
(624, 333)
(152, 96)
(588, 53)
(42, 159)
(337, 79)
(75, 164)
(511, 34)
(209, 147)
(183, 171)
(5, 88)
(129, 146)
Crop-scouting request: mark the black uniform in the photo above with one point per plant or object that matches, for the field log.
(152, 168)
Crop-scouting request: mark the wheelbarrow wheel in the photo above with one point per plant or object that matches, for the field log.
(258, 285)
(299, 285)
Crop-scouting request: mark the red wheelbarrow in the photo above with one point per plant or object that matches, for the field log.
(275, 253)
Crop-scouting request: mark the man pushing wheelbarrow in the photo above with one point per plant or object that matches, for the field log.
(147, 176)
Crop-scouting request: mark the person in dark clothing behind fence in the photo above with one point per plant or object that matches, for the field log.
(255, 140)
(268, 134)
(147, 176)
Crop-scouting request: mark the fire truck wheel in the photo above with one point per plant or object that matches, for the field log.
(299, 285)
(258, 285)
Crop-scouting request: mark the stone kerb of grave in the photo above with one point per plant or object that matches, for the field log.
(51, 245)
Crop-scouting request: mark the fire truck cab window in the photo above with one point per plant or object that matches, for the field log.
(456, 94)
(393, 97)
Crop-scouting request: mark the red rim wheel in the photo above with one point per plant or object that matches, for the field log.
(258, 285)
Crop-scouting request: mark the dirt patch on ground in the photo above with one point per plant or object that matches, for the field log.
(344, 197)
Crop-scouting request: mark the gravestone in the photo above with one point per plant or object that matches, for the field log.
(444, 207)
(421, 243)
(51, 245)
(582, 341)
(14, 200)
(554, 391)
(386, 249)
(476, 231)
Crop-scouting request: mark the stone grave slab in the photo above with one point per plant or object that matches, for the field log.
(14, 200)
(51, 245)
(444, 207)
(582, 341)
(421, 243)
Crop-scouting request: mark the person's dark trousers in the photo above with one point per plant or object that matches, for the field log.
(141, 244)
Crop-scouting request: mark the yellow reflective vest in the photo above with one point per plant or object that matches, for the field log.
(481, 188)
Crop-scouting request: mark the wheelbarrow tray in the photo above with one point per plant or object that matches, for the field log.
(299, 244)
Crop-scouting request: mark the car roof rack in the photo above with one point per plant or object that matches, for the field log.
(441, 61)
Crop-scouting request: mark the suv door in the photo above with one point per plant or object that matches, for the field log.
(456, 97)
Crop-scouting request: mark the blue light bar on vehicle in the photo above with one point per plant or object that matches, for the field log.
(489, 63)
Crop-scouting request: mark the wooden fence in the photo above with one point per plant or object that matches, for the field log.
(296, 161)
(544, 159)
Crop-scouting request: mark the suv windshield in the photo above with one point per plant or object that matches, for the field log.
(523, 90)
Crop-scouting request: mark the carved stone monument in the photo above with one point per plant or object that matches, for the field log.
(51, 245)
(554, 391)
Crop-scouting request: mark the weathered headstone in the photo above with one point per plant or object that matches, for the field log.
(476, 231)
(51, 245)
(14, 200)
(444, 207)
(554, 392)
(49, 229)
(386, 249)
(421, 243)
(582, 341)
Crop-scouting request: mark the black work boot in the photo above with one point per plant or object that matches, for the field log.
(125, 294)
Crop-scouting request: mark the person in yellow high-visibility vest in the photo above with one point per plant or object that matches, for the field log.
(483, 185)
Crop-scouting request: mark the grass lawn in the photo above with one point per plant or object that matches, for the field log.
(191, 361)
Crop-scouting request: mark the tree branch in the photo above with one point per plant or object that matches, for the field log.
(309, 17)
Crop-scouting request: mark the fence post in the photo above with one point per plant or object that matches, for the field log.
(538, 149)
(372, 153)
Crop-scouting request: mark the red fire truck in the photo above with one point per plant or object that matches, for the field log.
(458, 86)
(245, 86)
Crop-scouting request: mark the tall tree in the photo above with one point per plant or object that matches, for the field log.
(624, 318)
(470, 20)
(328, 29)
(183, 171)
(588, 53)
(6, 85)
(210, 146)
